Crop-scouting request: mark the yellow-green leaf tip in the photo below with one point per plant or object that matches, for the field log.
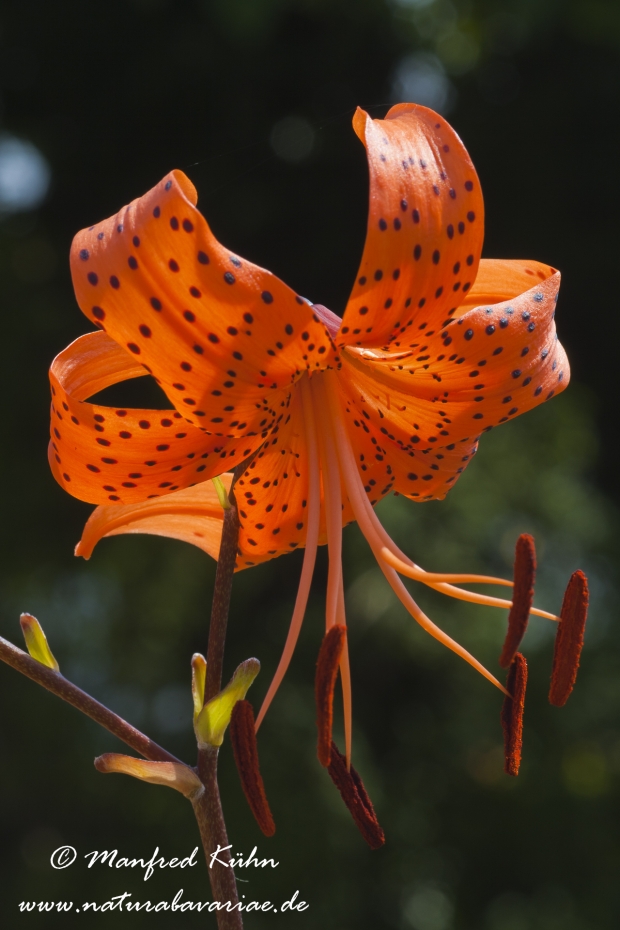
(220, 490)
(199, 675)
(36, 642)
(210, 724)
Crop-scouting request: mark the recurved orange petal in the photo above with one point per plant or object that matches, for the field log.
(429, 403)
(192, 515)
(117, 454)
(224, 338)
(271, 495)
(425, 228)
(425, 472)
(504, 279)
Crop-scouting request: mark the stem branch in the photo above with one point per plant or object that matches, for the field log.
(54, 682)
(208, 807)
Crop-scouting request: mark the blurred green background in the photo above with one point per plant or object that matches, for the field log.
(253, 99)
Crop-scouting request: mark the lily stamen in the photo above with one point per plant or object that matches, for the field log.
(372, 529)
(418, 574)
(512, 714)
(243, 739)
(523, 595)
(569, 639)
(355, 796)
(327, 667)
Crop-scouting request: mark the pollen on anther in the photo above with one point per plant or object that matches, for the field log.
(355, 796)
(522, 597)
(243, 739)
(324, 684)
(569, 639)
(512, 714)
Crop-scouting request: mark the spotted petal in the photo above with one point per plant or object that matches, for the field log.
(272, 495)
(491, 364)
(193, 515)
(425, 228)
(224, 338)
(272, 500)
(117, 454)
(504, 279)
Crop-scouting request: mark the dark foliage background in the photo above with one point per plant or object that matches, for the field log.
(253, 98)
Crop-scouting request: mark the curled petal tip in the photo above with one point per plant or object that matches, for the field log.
(360, 117)
(82, 550)
(569, 639)
(186, 185)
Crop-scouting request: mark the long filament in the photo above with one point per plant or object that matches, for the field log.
(431, 579)
(412, 571)
(312, 540)
(361, 507)
(345, 678)
(332, 495)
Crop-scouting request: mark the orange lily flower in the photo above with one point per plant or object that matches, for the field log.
(435, 347)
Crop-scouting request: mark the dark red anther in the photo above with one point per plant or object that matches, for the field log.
(522, 597)
(243, 738)
(324, 683)
(355, 796)
(512, 714)
(569, 639)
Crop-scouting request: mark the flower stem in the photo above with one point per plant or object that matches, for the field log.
(221, 597)
(208, 808)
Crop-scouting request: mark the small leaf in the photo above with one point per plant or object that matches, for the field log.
(210, 724)
(199, 675)
(220, 490)
(170, 774)
(36, 641)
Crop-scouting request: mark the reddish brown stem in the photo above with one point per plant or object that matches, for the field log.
(54, 682)
(208, 809)
(222, 590)
(210, 819)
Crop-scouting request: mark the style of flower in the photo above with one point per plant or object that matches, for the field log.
(435, 347)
